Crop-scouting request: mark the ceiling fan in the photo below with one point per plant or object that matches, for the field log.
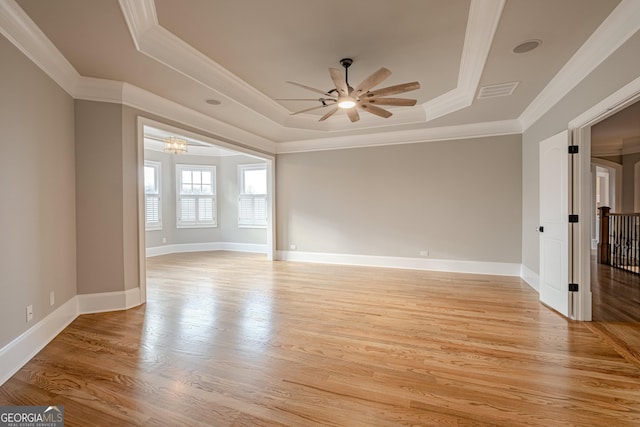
(362, 97)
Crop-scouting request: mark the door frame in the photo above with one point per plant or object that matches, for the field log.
(581, 199)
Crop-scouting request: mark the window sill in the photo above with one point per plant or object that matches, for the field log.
(197, 226)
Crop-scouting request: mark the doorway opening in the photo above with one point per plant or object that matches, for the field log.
(583, 198)
(615, 166)
(622, 334)
(216, 196)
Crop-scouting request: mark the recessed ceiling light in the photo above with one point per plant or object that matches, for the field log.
(527, 46)
(213, 102)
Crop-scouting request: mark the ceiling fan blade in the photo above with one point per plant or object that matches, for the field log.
(353, 115)
(392, 90)
(312, 89)
(309, 109)
(376, 110)
(401, 102)
(329, 114)
(339, 81)
(303, 99)
(371, 81)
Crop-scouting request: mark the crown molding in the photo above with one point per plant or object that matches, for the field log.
(101, 90)
(596, 154)
(616, 29)
(151, 39)
(18, 28)
(158, 43)
(620, 148)
(401, 116)
(447, 103)
(630, 146)
(141, 99)
(484, 15)
(474, 130)
(623, 97)
(140, 16)
(612, 147)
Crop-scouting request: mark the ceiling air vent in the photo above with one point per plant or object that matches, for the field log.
(504, 89)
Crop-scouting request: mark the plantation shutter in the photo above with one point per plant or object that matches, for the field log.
(252, 210)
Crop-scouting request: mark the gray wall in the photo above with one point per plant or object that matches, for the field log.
(37, 177)
(169, 230)
(622, 67)
(107, 197)
(629, 180)
(227, 200)
(457, 199)
(228, 187)
(100, 200)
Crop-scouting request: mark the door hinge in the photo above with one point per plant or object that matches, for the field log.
(573, 218)
(573, 149)
(573, 287)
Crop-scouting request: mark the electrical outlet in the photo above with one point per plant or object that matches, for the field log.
(293, 247)
(424, 253)
(164, 240)
(52, 298)
(29, 313)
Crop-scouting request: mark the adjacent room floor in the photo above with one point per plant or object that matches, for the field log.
(616, 308)
(232, 339)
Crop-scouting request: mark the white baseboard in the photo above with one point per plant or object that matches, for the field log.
(18, 352)
(203, 247)
(132, 298)
(108, 301)
(532, 278)
(448, 265)
(14, 355)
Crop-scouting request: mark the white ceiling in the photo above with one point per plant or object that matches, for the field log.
(243, 52)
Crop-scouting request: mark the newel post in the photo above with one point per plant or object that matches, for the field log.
(604, 248)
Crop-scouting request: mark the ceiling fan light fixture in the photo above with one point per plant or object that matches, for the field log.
(346, 102)
(345, 97)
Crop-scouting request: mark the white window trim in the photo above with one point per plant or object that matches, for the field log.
(197, 224)
(241, 195)
(155, 226)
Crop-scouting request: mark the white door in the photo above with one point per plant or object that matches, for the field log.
(554, 222)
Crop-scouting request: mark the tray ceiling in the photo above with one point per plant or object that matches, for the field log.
(241, 53)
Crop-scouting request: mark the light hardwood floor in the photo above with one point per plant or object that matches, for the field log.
(616, 308)
(232, 339)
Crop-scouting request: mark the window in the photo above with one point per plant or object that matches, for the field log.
(252, 201)
(196, 196)
(152, 205)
